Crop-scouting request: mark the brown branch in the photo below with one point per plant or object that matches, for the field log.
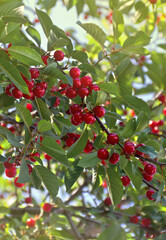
(150, 160)
(150, 185)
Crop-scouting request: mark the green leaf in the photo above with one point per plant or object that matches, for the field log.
(12, 139)
(45, 21)
(24, 172)
(153, 143)
(129, 129)
(148, 150)
(5, 100)
(14, 8)
(113, 3)
(123, 161)
(51, 147)
(125, 67)
(44, 125)
(26, 55)
(79, 145)
(135, 176)
(72, 175)
(80, 6)
(115, 186)
(109, 88)
(80, 56)
(142, 12)
(35, 180)
(95, 31)
(34, 34)
(49, 179)
(114, 115)
(86, 67)
(42, 107)
(92, 7)
(101, 97)
(118, 24)
(3, 159)
(24, 70)
(136, 43)
(52, 71)
(25, 114)
(13, 74)
(142, 121)
(54, 42)
(89, 160)
(110, 233)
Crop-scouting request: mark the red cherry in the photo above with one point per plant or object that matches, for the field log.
(160, 123)
(107, 202)
(145, 222)
(129, 147)
(58, 141)
(76, 119)
(42, 84)
(47, 157)
(31, 96)
(99, 111)
(104, 163)
(150, 235)
(8, 89)
(34, 73)
(102, 154)
(71, 92)
(147, 177)
(69, 142)
(75, 108)
(88, 118)
(162, 98)
(2, 124)
(134, 219)
(125, 181)
(132, 113)
(54, 89)
(83, 91)
(150, 169)
(149, 194)
(59, 55)
(28, 200)
(121, 124)
(164, 111)
(10, 173)
(114, 158)
(8, 165)
(86, 81)
(104, 184)
(30, 84)
(47, 207)
(57, 102)
(36, 154)
(31, 222)
(39, 91)
(89, 147)
(94, 87)
(76, 83)
(12, 129)
(17, 184)
(45, 58)
(112, 138)
(30, 168)
(29, 107)
(74, 72)
(137, 151)
(16, 93)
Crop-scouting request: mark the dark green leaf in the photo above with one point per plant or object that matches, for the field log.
(45, 21)
(129, 129)
(24, 172)
(89, 160)
(44, 112)
(34, 34)
(87, 68)
(3, 159)
(25, 114)
(109, 88)
(135, 176)
(148, 150)
(80, 56)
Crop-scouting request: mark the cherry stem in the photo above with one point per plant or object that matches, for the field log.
(150, 185)
(150, 160)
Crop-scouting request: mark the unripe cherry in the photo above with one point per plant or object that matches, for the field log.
(150, 169)
(134, 219)
(114, 158)
(112, 138)
(125, 181)
(59, 55)
(102, 153)
(149, 194)
(10, 173)
(31, 223)
(129, 147)
(74, 72)
(17, 184)
(99, 111)
(47, 207)
(86, 81)
(71, 93)
(107, 201)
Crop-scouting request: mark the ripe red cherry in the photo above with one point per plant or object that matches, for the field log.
(164, 111)
(8, 165)
(10, 173)
(39, 91)
(99, 111)
(8, 90)
(86, 81)
(42, 84)
(45, 58)
(57, 102)
(88, 118)
(102, 154)
(149, 194)
(150, 169)
(34, 73)
(129, 147)
(31, 96)
(75, 108)
(114, 158)
(145, 222)
(74, 72)
(104, 163)
(16, 93)
(150, 235)
(112, 138)
(71, 92)
(76, 83)
(104, 184)
(76, 119)
(69, 141)
(36, 154)
(59, 55)
(12, 129)
(31, 222)
(107, 201)
(29, 107)
(30, 84)
(47, 207)
(161, 97)
(17, 184)
(125, 180)
(83, 91)
(30, 168)
(89, 147)
(47, 157)
(147, 177)
(28, 200)
(134, 219)
(94, 87)
(137, 151)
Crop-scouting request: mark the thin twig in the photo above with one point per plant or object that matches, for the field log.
(150, 185)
